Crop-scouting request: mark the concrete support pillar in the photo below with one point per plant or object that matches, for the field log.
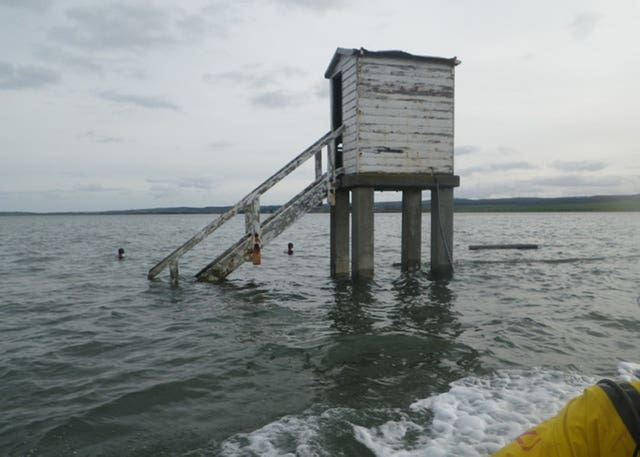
(362, 232)
(339, 236)
(442, 231)
(411, 229)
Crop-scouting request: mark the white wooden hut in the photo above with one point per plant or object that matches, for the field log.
(396, 109)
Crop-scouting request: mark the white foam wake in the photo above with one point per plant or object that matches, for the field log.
(474, 418)
(629, 370)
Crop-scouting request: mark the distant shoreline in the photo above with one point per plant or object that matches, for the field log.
(461, 205)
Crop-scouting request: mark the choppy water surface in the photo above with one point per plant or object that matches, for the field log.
(282, 360)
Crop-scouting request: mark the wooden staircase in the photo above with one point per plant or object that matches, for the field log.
(265, 232)
(286, 215)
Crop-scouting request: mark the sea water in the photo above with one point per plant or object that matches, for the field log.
(280, 359)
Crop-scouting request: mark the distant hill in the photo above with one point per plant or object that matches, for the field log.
(594, 203)
(520, 204)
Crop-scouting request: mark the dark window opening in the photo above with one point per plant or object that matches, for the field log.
(336, 101)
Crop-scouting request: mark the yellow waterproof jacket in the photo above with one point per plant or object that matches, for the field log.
(588, 426)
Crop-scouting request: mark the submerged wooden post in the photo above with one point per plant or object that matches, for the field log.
(442, 230)
(252, 227)
(174, 273)
(362, 232)
(339, 234)
(411, 229)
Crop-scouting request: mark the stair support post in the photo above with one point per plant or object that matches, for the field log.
(252, 217)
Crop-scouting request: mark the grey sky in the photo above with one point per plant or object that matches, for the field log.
(132, 104)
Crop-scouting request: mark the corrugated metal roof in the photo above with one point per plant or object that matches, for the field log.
(382, 54)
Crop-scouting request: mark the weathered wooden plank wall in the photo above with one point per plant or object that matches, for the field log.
(404, 116)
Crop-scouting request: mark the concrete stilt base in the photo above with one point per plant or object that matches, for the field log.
(339, 233)
(362, 187)
(411, 229)
(362, 232)
(442, 231)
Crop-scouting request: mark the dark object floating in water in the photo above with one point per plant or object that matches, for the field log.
(475, 247)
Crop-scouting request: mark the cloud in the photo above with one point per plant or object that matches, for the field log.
(266, 88)
(576, 181)
(103, 139)
(115, 27)
(492, 189)
(466, 149)
(26, 76)
(246, 78)
(220, 145)
(168, 186)
(584, 24)
(196, 26)
(149, 102)
(36, 5)
(321, 89)
(68, 59)
(133, 73)
(188, 187)
(505, 150)
(506, 166)
(255, 77)
(584, 165)
(503, 166)
(95, 188)
(314, 5)
(277, 99)
(198, 183)
(547, 186)
(136, 27)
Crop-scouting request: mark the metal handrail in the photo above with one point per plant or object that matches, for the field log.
(173, 258)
